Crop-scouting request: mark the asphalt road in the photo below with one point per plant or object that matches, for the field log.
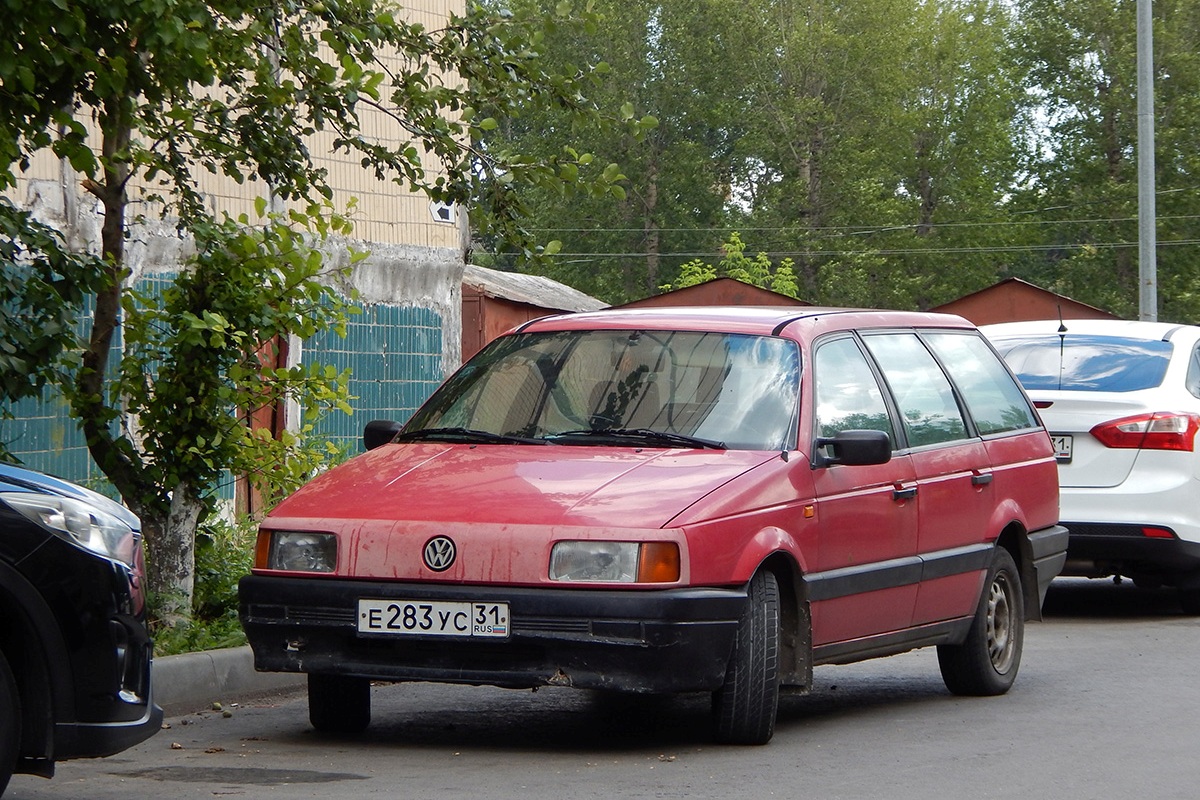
(1105, 706)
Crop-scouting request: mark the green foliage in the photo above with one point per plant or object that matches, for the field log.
(185, 87)
(175, 90)
(734, 263)
(224, 554)
(201, 359)
(826, 133)
(42, 291)
(664, 68)
(1083, 176)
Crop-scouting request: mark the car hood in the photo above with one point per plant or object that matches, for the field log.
(518, 484)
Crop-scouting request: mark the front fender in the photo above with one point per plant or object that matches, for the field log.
(762, 546)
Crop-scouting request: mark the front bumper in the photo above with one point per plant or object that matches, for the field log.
(652, 641)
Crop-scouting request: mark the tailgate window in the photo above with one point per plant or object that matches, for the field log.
(1086, 363)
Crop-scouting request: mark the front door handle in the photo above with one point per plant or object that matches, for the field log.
(982, 479)
(904, 492)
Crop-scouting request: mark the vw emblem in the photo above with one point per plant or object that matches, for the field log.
(440, 553)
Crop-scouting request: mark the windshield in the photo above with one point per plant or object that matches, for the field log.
(1086, 363)
(631, 388)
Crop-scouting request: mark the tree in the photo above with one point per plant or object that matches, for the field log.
(42, 288)
(669, 65)
(885, 137)
(874, 142)
(734, 263)
(1082, 57)
(177, 88)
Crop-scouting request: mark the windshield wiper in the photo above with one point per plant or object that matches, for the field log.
(464, 435)
(640, 435)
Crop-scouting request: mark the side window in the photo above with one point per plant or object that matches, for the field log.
(1193, 373)
(993, 398)
(927, 405)
(847, 395)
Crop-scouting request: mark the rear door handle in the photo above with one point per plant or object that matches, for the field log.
(904, 492)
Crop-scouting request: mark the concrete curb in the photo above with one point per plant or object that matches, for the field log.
(192, 682)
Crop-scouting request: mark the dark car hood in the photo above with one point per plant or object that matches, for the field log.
(14, 478)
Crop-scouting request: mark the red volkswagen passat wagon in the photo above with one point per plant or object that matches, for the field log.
(674, 500)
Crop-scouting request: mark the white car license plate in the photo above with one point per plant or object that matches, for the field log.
(1062, 446)
(433, 618)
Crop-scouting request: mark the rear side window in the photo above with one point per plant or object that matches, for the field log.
(1086, 363)
(993, 398)
(928, 408)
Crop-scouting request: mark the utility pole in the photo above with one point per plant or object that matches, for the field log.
(1147, 265)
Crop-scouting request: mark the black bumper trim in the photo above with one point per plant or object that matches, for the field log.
(1123, 549)
(659, 641)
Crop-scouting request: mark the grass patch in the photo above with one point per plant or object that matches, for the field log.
(224, 554)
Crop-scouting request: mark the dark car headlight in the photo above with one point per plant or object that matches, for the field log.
(79, 523)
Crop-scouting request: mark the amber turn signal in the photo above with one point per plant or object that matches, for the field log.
(658, 562)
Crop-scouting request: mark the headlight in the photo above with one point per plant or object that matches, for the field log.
(296, 551)
(78, 522)
(615, 562)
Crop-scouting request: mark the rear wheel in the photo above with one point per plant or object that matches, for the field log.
(1189, 600)
(986, 662)
(10, 723)
(744, 708)
(338, 703)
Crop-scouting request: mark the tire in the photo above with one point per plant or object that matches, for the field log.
(10, 723)
(744, 709)
(339, 704)
(986, 663)
(1189, 601)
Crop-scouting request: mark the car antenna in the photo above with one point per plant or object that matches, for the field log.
(1062, 345)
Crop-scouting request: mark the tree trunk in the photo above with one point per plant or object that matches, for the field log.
(171, 562)
(169, 532)
(118, 464)
(652, 235)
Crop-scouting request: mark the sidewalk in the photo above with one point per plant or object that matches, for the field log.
(194, 681)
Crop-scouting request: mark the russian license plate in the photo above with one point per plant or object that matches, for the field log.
(1062, 446)
(433, 618)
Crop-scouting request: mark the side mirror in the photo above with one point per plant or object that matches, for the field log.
(855, 448)
(379, 432)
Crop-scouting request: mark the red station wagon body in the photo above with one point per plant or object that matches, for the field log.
(839, 518)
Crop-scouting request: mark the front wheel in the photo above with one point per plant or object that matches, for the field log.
(338, 703)
(10, 723)
(986, 662)
(744, 708)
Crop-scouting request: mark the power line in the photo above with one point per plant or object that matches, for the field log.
(866, 228)
(773, 255)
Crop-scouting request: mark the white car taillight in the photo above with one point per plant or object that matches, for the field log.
(1158, 431)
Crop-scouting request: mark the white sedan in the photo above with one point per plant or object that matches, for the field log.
(1122, 403)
